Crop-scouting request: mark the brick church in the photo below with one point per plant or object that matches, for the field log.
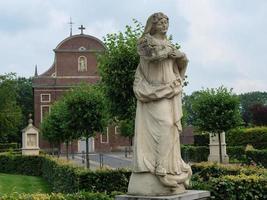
(75, 61)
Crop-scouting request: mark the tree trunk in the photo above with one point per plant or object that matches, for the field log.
(67, 150)
(59, 150)
(220, 147)
(87, 153)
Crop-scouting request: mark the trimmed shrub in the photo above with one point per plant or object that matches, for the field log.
(257, 156)
(236, 152)
(53, 196)
(194, 153)
(257, 137)
(207, 170)
(240, 187)
(5, 146)
(26, 165)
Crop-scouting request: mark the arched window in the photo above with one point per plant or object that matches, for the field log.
(82, 64)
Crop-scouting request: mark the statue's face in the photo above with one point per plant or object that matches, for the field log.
(162, 26)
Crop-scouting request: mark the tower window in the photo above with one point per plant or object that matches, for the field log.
(82, 64)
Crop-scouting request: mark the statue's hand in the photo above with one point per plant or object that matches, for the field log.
(176, 83)
(176, 54)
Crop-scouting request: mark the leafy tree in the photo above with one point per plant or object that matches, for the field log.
(10, 112)
(24, 97)
(117, 67)
(86, 112)
(54, 126)
(216, 111)
(248, 100)
(259, 114)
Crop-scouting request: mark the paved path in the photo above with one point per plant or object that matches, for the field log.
(110, 160)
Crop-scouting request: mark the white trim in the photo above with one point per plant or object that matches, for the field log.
(41, 97)
(48, 90)
(101, 139)
(41, 109)
(117, 130)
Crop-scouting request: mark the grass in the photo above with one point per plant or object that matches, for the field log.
(10, 183)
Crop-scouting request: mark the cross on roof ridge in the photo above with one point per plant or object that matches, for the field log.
(81, 28)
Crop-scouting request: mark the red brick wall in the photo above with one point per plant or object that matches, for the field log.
(115, 142)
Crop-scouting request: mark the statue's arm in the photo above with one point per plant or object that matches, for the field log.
(146, 92)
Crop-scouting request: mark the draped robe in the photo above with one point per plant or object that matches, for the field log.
(158, 88)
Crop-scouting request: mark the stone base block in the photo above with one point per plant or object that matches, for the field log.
(32, 152)
(148, 184)
(188, 195)
(216, 158)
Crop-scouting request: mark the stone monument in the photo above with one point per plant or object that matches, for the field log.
(214, 148)
(30, 139)
(158, 168)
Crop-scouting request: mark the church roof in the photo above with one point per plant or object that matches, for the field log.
(80, 42)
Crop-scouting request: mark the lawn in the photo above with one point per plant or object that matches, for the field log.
(19, 183)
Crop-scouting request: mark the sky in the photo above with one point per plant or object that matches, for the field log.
(225, 41)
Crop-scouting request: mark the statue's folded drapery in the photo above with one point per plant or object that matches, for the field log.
(158, 88)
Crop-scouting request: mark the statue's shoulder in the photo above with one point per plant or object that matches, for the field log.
(147, 40)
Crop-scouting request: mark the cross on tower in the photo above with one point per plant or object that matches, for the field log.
(81, 28)
(70, 23)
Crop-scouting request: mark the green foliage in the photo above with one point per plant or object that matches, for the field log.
(24, 98)
(10, 112)
(57, 196)
(8, 146)
(27, 165)
(239, 187)
(247, 100)
(53, 127)
(256, 136)
(86, 110)
(117, 67)
(216, 110)
(195, 153)
(208, 170)
(257, 156)
(64, 177)
(236, 153)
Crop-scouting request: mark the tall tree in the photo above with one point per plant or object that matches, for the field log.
(117, 67)
(86, 112)
(216, 111)
(248, 100)
(54, 126)
(10, 112)
(259, 114)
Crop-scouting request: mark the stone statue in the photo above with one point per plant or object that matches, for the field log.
(158, 168)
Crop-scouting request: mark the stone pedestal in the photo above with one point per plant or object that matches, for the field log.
(30, 140)
(188, 195)
(148, 184)
(214, 148)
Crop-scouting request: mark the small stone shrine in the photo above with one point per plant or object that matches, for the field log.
(214, 149)
(30, 139)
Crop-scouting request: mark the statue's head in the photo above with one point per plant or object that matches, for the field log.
(157, 22)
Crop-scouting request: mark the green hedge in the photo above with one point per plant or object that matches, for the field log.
(26, 165)
(194, 153)
(236, 152)
(6, 146)
(81, 196)
(257, 156)
(207, 170)
(257, 137)
(64, 177)
(239, 187)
